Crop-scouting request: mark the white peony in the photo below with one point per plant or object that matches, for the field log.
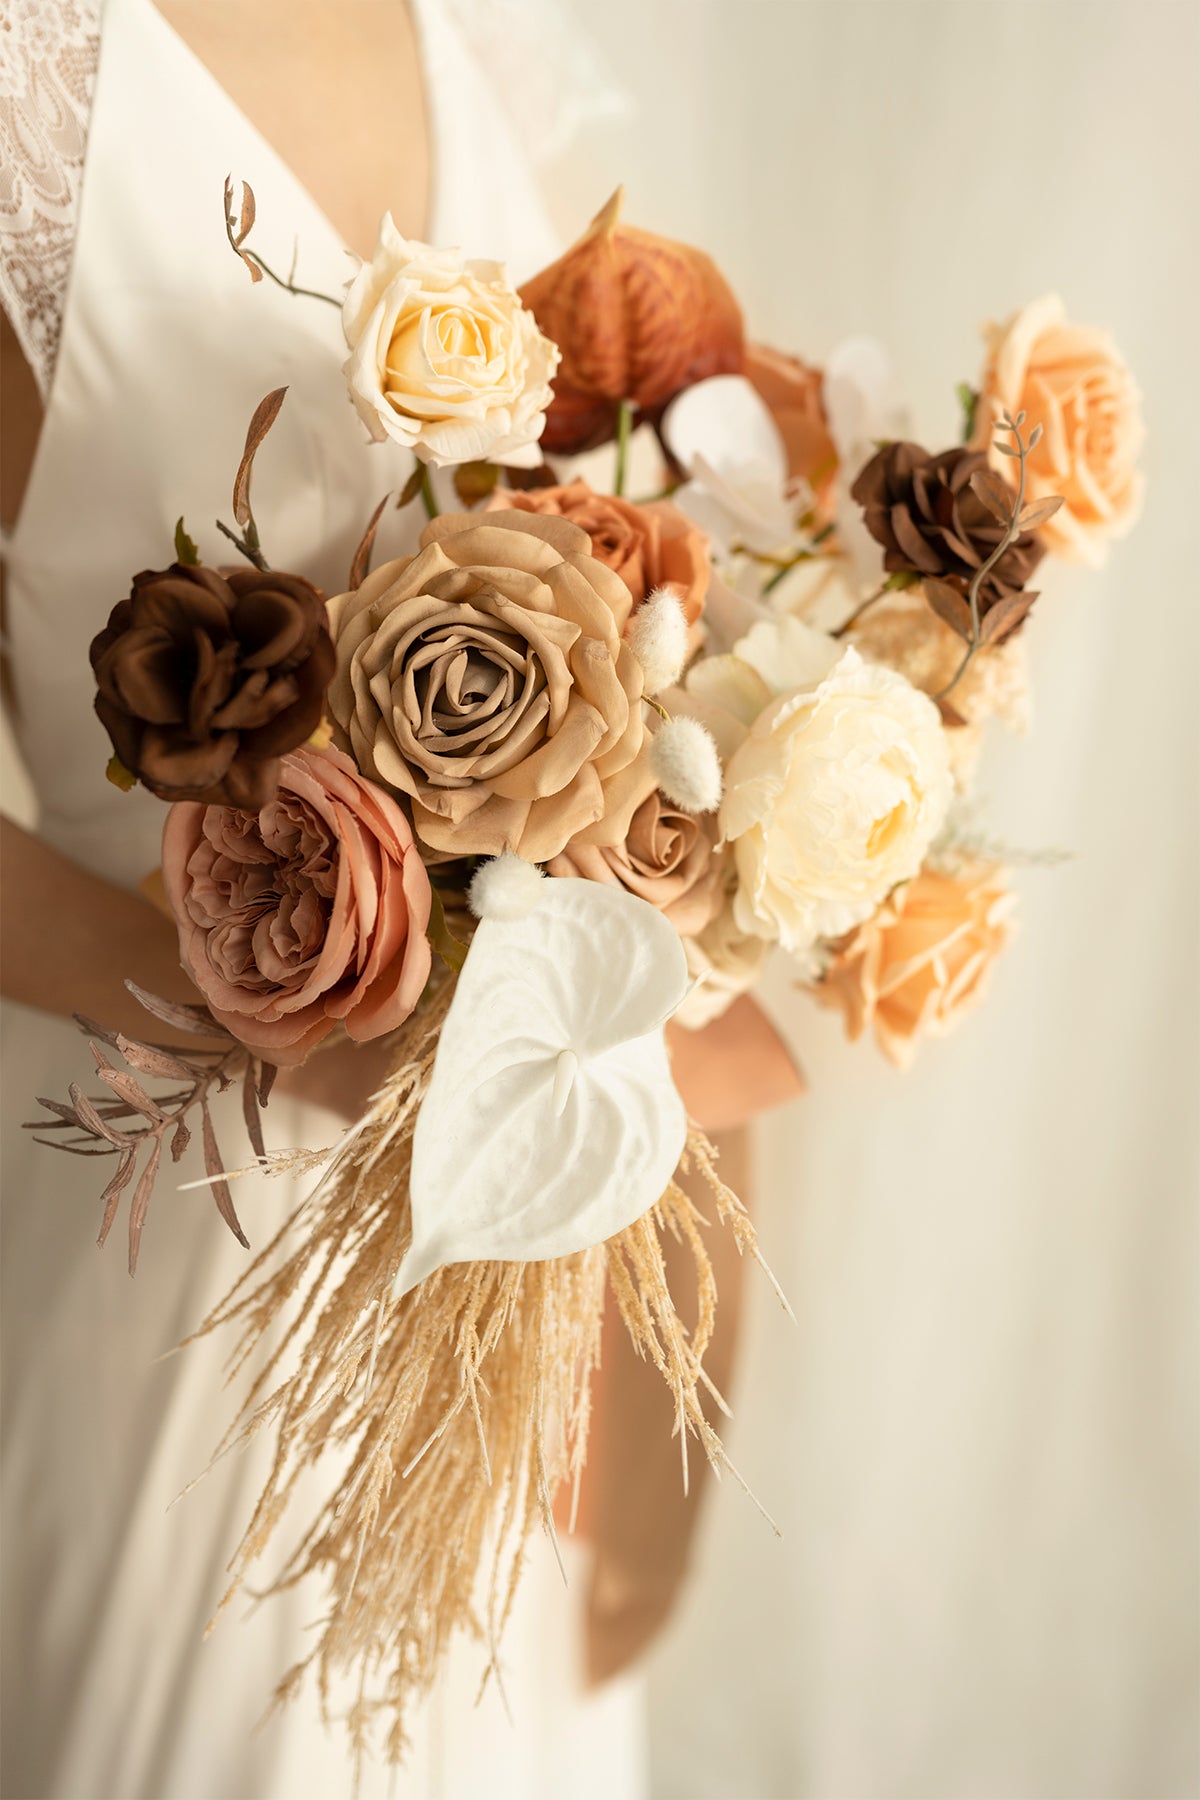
(443, 356)
(833, 796)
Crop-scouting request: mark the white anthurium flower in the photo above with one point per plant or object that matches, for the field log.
(551, 1122)
(723, 434)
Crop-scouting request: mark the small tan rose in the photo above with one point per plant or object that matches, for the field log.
(668, 858)
(443, 357)
(925, 957)
(649, 546)
(1073, 382)
(486, 679)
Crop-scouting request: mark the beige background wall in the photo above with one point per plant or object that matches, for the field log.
(980, 1441)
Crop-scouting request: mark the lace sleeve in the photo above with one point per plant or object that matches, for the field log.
(48, 54)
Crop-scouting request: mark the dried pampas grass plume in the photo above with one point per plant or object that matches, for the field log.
(441, 1423)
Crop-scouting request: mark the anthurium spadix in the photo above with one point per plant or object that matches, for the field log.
(551, 1121)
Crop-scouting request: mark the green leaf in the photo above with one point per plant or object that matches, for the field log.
(185, 549)
(119, 775)
(968, 399)
(411, 488)
(901, 579)
(441, 938)
(474, 481)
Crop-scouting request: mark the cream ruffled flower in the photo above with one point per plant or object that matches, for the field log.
(1072, 381)
(443, 356)
(833, 796)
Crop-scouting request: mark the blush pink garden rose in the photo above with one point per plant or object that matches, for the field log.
(1073, 382)
(308, 914)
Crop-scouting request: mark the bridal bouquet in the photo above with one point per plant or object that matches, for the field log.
(570, 770)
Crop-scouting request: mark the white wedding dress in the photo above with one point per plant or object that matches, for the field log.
(164, 349)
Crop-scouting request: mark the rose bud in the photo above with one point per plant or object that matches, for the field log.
(637, 317)
(206, 680)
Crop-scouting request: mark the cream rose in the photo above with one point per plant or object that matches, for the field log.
(443, 356)
(1072, 381)
(833, 796)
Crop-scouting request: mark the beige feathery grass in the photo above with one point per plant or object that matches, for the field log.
(451, 1415)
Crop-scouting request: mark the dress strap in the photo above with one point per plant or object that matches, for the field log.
(48, 57)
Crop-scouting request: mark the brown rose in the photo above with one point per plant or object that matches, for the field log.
(792, 392)
(485, 678)
(915, 967)
(668, 858)
(922, 508)
(205, 680)
(649, 546)
(636, 317)
(304, 915)
(1072, 381)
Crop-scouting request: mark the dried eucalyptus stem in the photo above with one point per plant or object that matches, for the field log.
(237, 230)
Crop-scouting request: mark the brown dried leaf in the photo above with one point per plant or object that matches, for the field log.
(951, 717)
(110, 1198)
(474, 481)
(91, 1120)
(265, 415)
(132, 1091)
(1041, 510)
(360, 567)
(141, 1203)
(181, 1137)
(411, 489)
(250, 1113)
(1035, 438)
(995, 494)
(950, 606)
(249, 214)
(177, 1013)
(266, 1081)
(1004, 617)
(151, 1061)
(238, 231)
(220, 1188)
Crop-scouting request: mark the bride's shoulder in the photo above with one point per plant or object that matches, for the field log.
(49, 63)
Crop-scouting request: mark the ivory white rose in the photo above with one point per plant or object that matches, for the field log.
(443, 357)
(833, 796)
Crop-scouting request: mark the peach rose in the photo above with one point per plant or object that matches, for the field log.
(792, 392)
(1072, 381)
(485, 679)
(649, 546)
(923, 959)
(668, 858)
(307, 914)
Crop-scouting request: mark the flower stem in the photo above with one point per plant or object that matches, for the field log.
(624, 424)
(427, 499)
(1011, 532)
(861, 608)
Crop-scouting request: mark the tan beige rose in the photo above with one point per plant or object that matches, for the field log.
(926, 956)
(667, 858)
(649, 546)
(1072, 381)
(443, 357)
(486, 679)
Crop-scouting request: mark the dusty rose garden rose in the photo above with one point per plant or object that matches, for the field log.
(485, 679)
(668, 858)
(649, 546)
(925, 957)
(1073, 382)
(308, 914)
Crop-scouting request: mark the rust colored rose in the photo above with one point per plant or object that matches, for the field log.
(925, 957)
(930, 521)
(649, 546)
(668, 858)
(485, 679)
(637, 317)
(792, 392)
(307, 914)
(205, 680)
(1072, 381)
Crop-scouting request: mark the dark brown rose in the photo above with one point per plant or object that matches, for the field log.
(649, 546)
(923, 510)
(668, 858)
(206, 680)
(636, 317)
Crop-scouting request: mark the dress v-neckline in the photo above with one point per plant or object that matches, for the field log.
(275, 157)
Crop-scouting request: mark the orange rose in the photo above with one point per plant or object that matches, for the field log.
(649, 546)
(636, 317)
(922, 960)
(1072, 381)
(792, 392)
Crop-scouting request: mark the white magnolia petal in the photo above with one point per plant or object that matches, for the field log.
(726, 423)
(551, 1122)
(788, 654)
